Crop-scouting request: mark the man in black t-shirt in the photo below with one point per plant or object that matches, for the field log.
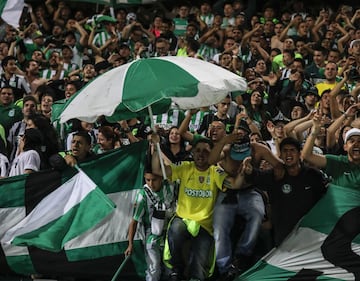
(293, 191)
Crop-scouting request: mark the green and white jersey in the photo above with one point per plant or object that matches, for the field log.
(50, 73)
(101, 38)
(180, 26)
(69, 67)
(207, 52)
(173, 117)
(208, 19)
(196, 120)
(144, 206)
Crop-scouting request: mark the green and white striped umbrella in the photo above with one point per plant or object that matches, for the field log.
(157, 82)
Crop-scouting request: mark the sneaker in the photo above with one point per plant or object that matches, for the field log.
(231, 274)
(174, 277)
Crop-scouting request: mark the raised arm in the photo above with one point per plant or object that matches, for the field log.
(344, 119)
(301, 128)
(307, 151)
(216, 153)
(243, 115)
(289, 127)
(184, 126)
(155, 159)
(334, 109)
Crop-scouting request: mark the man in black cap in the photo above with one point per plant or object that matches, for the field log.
(311, 97)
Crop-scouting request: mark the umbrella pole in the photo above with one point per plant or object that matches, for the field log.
(151, 115)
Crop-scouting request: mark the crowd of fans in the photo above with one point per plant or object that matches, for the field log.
(303, 74)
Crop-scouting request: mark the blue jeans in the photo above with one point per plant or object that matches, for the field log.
(200, 249)
(250, 206)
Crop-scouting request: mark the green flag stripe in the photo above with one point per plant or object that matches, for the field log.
(334, 197)
(13, 187)
(2, 6)
(118, 172)
(21, 264)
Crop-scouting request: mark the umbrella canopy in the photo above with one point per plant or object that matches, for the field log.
(155, 82)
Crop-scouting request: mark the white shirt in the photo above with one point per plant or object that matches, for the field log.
(27, 160)
(4, 165)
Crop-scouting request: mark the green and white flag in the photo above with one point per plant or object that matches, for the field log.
(70, 210)
(324, 246)
(97, 252)
(10, 11)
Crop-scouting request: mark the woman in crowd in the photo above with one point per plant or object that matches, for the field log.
(256, 111)
(30, 156)
(174, 146)
(107, 139)
(51, 144)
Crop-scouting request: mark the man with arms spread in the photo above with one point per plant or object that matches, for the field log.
(199, 185)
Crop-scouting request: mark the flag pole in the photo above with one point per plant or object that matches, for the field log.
(120, 268)
(151, 115)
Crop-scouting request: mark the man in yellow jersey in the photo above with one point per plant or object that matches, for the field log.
(199, 186)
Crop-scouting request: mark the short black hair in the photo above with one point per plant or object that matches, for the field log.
(29, 98)
(85, 135)
(6, 60)
(204, 140)
(290, 141)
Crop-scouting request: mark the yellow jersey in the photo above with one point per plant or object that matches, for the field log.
(197, 192)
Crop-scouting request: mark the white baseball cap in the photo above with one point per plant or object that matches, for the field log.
(352, 132)
(353, 42)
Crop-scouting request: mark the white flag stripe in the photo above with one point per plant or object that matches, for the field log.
(116, 223)
(49, 210)
(14, 216)
(12, 12)
(14, 251)
(294, 256)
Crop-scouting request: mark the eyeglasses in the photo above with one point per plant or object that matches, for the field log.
(6, 93)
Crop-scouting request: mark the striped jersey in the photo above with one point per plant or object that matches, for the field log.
(196, 120)
(144, 206)
(173, 117)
